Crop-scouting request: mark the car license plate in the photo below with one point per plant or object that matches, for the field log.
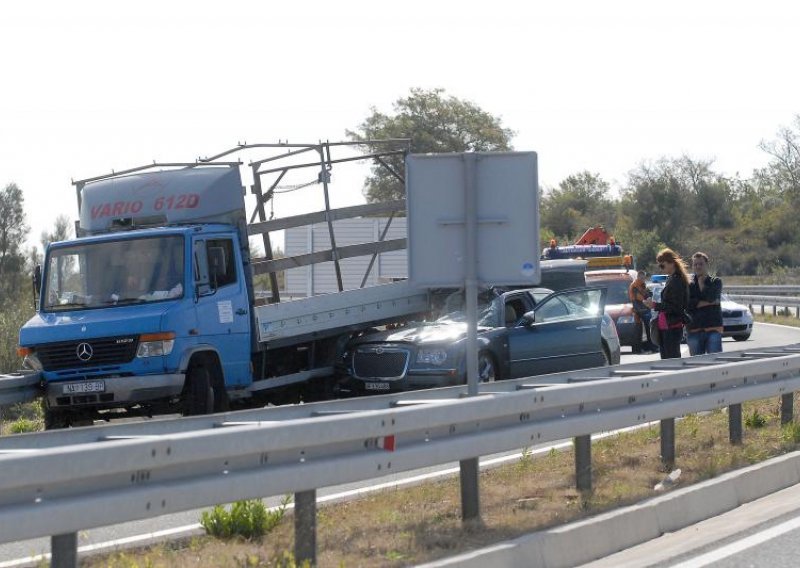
(87, 386)
(376, 386)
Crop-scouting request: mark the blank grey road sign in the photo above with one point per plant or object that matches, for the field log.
(507, 210)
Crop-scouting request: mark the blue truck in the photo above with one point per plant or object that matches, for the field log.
(152, 309)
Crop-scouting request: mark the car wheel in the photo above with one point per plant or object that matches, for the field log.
(741, 337)
(487, 373)
(55, 419)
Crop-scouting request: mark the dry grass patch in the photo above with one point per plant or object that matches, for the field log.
(789, 319)
(411, 525)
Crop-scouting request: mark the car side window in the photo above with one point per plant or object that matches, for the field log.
(515, 308)
(570, 305)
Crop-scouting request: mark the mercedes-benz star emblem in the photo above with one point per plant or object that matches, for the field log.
(84, 351)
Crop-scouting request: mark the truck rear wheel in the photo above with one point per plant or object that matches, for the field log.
(198, 394)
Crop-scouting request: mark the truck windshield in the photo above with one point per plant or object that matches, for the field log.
(114, 273)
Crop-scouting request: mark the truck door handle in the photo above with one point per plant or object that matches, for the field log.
(241, 312)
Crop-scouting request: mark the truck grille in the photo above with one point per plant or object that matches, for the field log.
(380, 363)
(89, 353)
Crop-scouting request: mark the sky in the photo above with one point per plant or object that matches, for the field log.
(93, 86)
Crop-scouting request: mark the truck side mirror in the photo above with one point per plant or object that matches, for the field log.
(37, 284)
(202, 282)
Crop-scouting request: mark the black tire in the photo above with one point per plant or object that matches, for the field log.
(198, 393)
(741, 337)
(487, 369)
(55, 419)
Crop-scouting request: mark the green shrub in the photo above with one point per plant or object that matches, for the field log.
(790, 433)
(21, 425)
(247, 519)
(755, 419)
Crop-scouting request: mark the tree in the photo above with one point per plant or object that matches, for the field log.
(13, 231)
(60, 232)
(434, 122)
(783, 171)
(580, 201)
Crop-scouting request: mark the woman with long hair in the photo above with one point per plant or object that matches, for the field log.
(673, 303)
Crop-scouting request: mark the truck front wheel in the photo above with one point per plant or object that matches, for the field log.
(198, 395)
(55, 419)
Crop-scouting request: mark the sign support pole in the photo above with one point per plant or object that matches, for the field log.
(470, 495)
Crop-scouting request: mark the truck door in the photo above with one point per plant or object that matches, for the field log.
(564, 335)
(223, 308)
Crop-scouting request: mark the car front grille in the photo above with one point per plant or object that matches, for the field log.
(104, 352)
(730, 328)
(380, 362)
(731, 313)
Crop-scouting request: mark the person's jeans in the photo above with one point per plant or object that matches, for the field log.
(702, 342)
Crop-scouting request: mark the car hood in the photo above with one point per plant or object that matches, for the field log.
(616, 310)
(90, 324)
(446, 332)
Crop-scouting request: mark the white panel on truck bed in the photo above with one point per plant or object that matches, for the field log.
(328, 313)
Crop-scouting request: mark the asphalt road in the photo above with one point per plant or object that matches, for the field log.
(160, 528)
(763, 533)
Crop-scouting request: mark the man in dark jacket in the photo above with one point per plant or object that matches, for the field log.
(705, 296)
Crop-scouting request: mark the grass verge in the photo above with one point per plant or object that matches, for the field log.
(411, 525)
(789, 320)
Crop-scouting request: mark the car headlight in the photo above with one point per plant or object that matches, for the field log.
(432, 356)
(155, 344)
(625, 319)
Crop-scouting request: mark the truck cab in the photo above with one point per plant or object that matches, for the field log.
(145, 318)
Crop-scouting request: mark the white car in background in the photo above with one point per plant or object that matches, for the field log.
(737, 321)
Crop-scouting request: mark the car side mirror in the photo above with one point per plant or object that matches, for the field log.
(529, 319)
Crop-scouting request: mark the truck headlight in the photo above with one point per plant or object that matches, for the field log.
(29, 358)
(625, 319)
(432, 356)
(155, 344)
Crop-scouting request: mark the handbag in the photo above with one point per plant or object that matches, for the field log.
(655, 333)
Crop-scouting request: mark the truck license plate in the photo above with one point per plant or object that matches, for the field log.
(376, 386)
(88, 386)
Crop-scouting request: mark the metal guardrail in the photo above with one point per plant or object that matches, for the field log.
(774, 301)
(123, 472)
(19, 387)
(778, 289)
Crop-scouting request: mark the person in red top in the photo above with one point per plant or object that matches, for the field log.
(638, 293)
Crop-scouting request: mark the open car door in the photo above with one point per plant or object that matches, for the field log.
(562, 333)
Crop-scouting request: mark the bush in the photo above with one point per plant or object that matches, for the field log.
(22, 425)
(755, 419)
(247, 519)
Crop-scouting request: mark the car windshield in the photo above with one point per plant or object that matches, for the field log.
(617, 290)
(113, 273)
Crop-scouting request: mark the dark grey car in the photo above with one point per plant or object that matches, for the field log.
(520, 333)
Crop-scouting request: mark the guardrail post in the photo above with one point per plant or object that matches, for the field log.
(762, 309)
(774, 310)
(787, 408)
(735, 423)
(64, 550)
(305, 527)
(470, 496)
(668, 442)
(583, 463)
